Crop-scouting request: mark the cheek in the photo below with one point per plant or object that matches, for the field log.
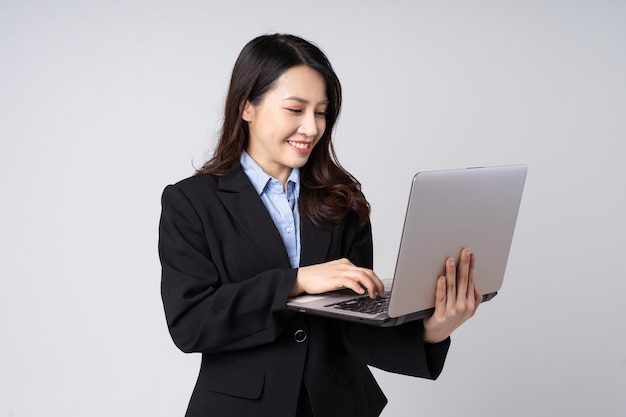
(321, 128)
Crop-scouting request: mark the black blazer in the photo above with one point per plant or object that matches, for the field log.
(225, 281)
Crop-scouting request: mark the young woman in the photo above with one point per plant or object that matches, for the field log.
(271, 215)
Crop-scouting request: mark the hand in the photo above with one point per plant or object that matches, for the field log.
(456, 299)
(334, 275)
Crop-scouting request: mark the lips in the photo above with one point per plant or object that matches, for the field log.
(301, 146)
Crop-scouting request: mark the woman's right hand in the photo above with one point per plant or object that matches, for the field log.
(456, 299)
(335, 275)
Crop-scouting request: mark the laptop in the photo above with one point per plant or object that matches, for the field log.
(447, 210)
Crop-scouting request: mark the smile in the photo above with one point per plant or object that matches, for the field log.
(300, 145)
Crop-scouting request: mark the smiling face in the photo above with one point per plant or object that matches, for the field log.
(288, 122)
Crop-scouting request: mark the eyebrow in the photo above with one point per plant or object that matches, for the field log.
(303, 101)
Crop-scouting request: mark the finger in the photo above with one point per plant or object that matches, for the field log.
(379, 286)
(347, 274)
(440, 296)
(463, 274)
(477, 296)
(471, 283)
(359, 280)
(354, 285)
(372, 283)
(450, 284)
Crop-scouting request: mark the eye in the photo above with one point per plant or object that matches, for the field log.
(321, 113)
(293, 110)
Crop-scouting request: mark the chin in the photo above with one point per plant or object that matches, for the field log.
(298, 161)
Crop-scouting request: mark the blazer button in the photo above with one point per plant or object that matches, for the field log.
(300, 336)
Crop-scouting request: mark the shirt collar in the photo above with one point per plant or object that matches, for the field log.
(260, 178)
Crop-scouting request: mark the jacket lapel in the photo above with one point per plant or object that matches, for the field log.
(244, 204)
(242, 201)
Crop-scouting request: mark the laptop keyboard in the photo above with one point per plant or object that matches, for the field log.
(364, 305)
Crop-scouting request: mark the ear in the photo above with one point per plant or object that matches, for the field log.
(248, 111)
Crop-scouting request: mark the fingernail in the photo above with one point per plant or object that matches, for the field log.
(451, 261)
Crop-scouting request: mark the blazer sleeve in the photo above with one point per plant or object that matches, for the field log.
(206, 312)
(400, 349)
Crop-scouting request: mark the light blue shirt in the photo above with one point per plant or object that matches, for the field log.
(282, 206)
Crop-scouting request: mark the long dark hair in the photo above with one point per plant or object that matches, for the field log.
(328, 193)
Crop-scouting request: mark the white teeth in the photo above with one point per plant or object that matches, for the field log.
(300, 145)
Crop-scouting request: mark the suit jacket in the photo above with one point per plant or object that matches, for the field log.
(225, 282)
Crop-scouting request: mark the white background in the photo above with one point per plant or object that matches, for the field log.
(104, 103)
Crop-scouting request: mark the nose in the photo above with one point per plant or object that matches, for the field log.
(309, 127)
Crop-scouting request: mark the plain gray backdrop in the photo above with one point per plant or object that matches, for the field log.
(104, 103)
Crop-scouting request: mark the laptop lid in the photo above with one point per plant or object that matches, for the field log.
(447, 210)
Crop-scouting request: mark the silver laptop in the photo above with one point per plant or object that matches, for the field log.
(447, 210)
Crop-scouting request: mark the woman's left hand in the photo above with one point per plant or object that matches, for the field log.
(457, 299)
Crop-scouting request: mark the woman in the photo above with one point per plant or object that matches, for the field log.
(271, 215)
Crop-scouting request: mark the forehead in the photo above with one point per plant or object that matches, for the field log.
(301, 82)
